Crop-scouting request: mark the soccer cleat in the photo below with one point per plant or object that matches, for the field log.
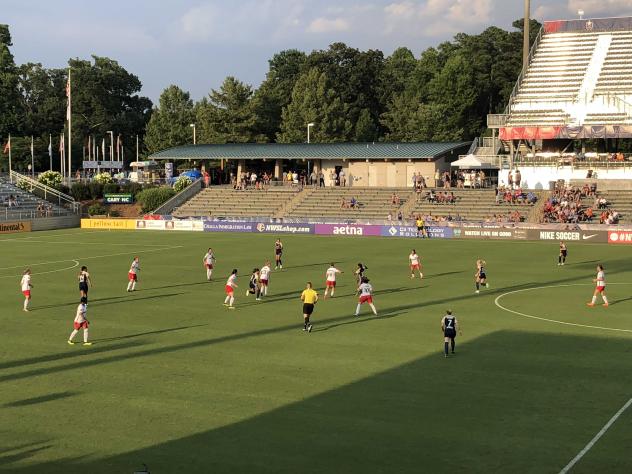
(356, 315)
(605, 305)
(305, 329)
(247, 292)
(446, 356)
(226, 304)
(87, 343)
(70, 343)
(559, 264)
(590, 304)
(477, 291)
(25, 310)
(231, 307)
(486, 285)
(309, 328)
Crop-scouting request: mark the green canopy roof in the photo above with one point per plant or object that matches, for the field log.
(318, 151)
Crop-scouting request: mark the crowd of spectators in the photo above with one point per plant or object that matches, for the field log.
(510, 217)
(514, 195)
(11, 201)
(439, 197)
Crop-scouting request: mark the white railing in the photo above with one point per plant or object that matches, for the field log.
(48, 193)
(593, 71)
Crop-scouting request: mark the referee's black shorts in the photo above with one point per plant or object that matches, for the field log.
(308, 308)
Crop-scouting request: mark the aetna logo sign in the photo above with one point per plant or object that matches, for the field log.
(347, 230)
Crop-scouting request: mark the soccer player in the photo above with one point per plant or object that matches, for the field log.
(81, 322)
(359, 272)
(330, 284)
(480, 275)
(230, 289)
(415, 264)
(26, 286)
(561, 259)
(132, 275)
(601, 287)
(449, 326)
(254, 284)
(209, 260)
(264, 278)
(366, 296)
(309, 298)
(84, 282)
(278, 254)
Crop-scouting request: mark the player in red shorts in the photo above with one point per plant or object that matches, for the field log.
(366, 296)
(415, 264)
(600, 281)
(132, 275)
(230, 289)
(330, 284)
(26, 286)
(81, 322)
(209, 260)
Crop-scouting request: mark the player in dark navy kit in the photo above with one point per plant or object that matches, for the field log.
(480, 275)
(561, 259)
(449, 326)
(84, 282)
(278, 254)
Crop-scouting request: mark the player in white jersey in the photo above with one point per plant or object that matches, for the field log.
(600, 281)
(264, 278)
(81, 322)
(330, 283)
(415, 264)
(366, 296)
(132, 275)
(209, 260)
(230, 289)
(26, 286)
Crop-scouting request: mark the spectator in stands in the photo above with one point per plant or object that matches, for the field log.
(344, 204)
(40, 209)
(395, 199)
(207, 179)
(414, 179)
(517, 178)
(531, 198)
(510, 180)
(589, 214)
(313, 180)
(343, 178)
(460, 179)
(389, 217)
(400, 216)
(353, 203)
(332, 178)
(49, 210)
(321, 179)
(431, 197)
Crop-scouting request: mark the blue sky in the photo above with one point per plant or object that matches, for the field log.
(196, 43)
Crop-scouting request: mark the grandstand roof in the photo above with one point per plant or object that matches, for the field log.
(314, 151)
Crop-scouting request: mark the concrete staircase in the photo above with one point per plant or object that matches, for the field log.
(28, 203)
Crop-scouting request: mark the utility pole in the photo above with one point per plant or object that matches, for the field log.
(525, 39)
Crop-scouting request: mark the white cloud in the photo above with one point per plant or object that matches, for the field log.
(328, 25)
(594, 8)
(436, 17)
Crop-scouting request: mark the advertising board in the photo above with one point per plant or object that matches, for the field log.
(348, 229)
(228, 226)
(112, 224)
(118, 199)
(262, 227)
(569, 235)
(14, 227)
(620, 237)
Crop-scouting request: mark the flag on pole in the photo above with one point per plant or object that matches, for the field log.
(7, 146)
(68, 96)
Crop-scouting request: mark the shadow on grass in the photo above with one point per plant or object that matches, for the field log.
(507, 402)
(109, 300)
(37, 400)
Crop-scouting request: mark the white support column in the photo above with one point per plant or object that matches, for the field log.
(278, 166)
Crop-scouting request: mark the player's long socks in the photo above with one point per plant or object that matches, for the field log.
(357, 309)
(305, 322)
(478, 286)
(209, 272)
(445, 347)
(26, 304)
(72, 335)
(373, 308)
(226, 299)
(605, 299)
(85, 335)
(231, 300)
(133, 285)
(453, 344)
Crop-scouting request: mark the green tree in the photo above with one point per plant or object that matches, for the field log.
(170, 122)
(43, 99)
(314, 100)
(9, 95)
(276, 90)
(366, 130)
(228, 116)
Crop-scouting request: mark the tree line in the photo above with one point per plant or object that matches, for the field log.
(349, 95)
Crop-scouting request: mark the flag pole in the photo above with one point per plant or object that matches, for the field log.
(69, 113)
(50, 151)
(9, 155)
(32, 160)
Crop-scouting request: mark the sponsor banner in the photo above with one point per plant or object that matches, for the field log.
(114, 224)
(569, 235)
(228, 226)
(151, 224)
(118, 199)
(435, 232)
(486, 233)
(348, 229)
(620, 237)
(14, 227)
(284, 228)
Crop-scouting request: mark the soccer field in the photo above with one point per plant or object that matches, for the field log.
(177, 381)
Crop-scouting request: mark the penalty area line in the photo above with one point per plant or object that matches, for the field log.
(593, 441)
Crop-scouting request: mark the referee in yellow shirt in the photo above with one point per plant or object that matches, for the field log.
(309, 298)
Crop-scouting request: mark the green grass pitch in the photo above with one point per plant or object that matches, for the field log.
(176, 381)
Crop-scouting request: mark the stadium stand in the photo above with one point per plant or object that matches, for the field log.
(223, 201)
(16, 203)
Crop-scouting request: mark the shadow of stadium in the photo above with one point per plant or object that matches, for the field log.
(507, 402)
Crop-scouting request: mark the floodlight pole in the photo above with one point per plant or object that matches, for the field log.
(525, 39)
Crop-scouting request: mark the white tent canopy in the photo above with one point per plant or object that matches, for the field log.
(469, 162)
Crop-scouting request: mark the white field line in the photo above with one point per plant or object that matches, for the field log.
(499, 297)
(592, 442)
(81, 258)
